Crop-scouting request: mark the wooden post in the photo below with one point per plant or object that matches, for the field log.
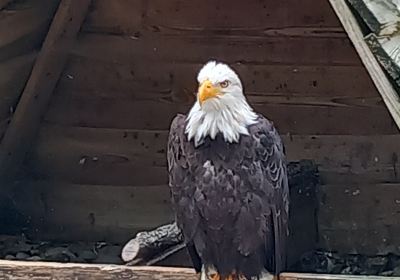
(379, 78)
(44, 76)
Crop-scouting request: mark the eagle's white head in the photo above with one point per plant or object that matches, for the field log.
(220, 107)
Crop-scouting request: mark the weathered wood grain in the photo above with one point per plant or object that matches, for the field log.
(129, 113)
(127, 17)
(115, 17)
(23, 26)
(178, 80)
(64, 211)
(40, 85)
(198, 49)
(18, 270)
(309, 276)
(359, 218)
(121, 157)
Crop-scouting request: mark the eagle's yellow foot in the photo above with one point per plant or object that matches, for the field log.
(215, 276)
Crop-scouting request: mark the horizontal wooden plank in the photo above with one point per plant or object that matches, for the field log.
(373, 175)
(127, 17)
(115, 213)
(310, 276)
(198, 49)
(29, 21)
(381, 206)
(121, 157)
(359, 218)
(17, 270)
(115, 17)
(178, 81)
(89, 212)
(215, 15)
(128, 113)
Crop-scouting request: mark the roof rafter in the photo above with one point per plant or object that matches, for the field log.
(378, 76)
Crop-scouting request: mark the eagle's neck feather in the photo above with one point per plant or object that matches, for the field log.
(231, 120)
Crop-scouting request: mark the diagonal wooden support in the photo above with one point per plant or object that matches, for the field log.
(41, 83)
(4, 3)
(385, 88)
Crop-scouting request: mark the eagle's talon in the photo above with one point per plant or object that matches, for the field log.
(215, 276)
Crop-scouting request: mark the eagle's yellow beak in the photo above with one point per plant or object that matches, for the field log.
(207, 90)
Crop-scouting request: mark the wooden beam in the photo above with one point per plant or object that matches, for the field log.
(30, 21)
(45, 74)
(4, 3)
(387, 52)
(378, 76)
(381, 16)
(309, 276)
(18, 270)
(14, 270)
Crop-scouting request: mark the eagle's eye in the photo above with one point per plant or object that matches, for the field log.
(224, 84)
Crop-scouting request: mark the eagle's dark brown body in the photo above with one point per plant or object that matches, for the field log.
(231, 200)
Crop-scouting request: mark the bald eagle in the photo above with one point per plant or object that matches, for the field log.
(228, 182)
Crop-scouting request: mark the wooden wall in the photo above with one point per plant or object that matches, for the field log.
(23, 26)
(98, 168)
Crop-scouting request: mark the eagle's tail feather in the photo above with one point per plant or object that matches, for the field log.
(211, 274)
(267, 276)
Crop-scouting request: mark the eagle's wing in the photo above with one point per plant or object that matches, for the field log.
(181, 187)
(270, 151)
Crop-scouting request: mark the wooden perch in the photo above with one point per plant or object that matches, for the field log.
(19, 270)
(15, 270)
(152, 247)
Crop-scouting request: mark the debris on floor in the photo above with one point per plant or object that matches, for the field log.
(334, 263)
(20, 248)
